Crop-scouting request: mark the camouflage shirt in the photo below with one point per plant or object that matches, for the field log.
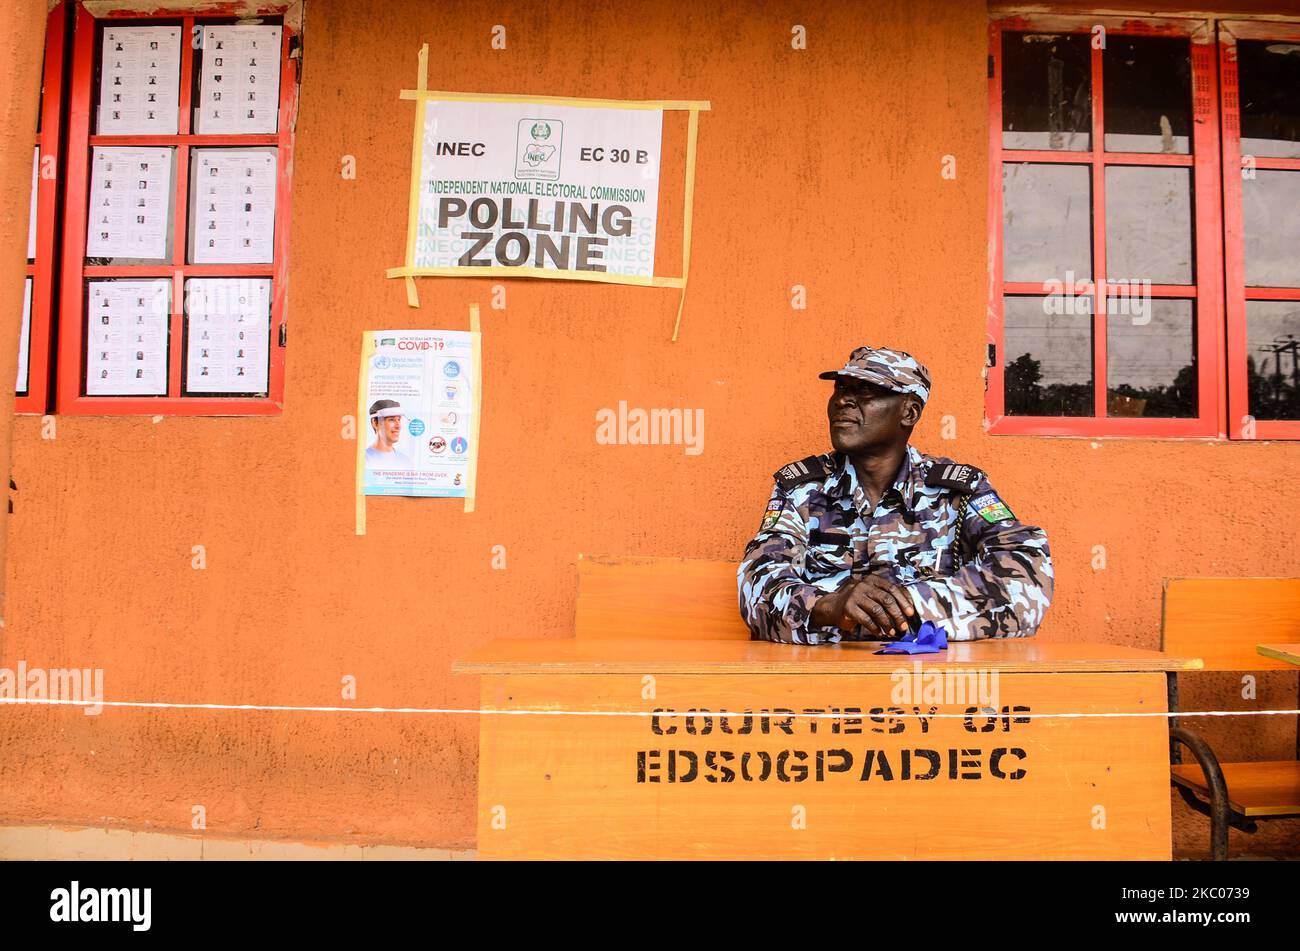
(819, 530)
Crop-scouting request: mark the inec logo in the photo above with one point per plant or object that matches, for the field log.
(537, 149)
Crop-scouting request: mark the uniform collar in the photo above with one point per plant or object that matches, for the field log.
(843, 481)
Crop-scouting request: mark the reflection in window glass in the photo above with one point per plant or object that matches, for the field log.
(1269, 78)
(1147, 89)
(1149, 224)
(1047, 222)
(1151, 359)
(1046, 91)
(1048, 356)
(1273, 358)
(1270, 211)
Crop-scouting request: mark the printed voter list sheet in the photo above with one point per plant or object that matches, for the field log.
(25, 341)
(139, 82)
(130, 189)
(232, 218)
(126, 337)
(228, 336)
(239, 85)
(31, 221)
(420, 404)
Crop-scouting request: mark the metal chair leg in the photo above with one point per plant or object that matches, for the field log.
(1218, 789)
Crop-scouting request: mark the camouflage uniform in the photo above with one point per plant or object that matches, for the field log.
(819, 530)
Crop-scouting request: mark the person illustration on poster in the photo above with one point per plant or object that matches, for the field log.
(386, 421)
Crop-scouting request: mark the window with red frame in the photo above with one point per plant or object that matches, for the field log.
(176, 219)
(32, 388)
(1113, 219)
(1260, 68)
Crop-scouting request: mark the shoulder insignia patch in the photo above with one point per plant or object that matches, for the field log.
(772, 515)
(991, 508)
(797, 473)
(954, 476)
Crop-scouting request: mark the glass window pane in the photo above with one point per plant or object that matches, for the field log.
(1273, 358)
(232, 205)
(1046, 222)
(1149, 224)
(132, 206)
(1147, 89)
(236, 84)
(1269, 79)
(139, 80)
(1046, 91)
(127, 329)
(227, 336)
(1048, 356)
(1270, 211)
(1151, 359)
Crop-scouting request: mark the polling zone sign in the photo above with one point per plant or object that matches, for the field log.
(538, 186)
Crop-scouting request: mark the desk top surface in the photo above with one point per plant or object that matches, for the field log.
(1018, 655)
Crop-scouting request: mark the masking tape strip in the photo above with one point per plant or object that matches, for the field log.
(692, 136)
(602, 277)
(476, 364)
(417, 166)
(666, 104)
(363, 387)
(663, 715)
(422, 95)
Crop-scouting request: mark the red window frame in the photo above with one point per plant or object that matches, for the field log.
(1207, 293)
(1236, 291)
(41, 270)
(71, 371)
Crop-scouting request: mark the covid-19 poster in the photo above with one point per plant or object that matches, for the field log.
(417, 431)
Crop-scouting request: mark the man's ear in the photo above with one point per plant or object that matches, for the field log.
(912, 408)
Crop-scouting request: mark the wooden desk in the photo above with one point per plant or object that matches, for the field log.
(1287, 652)
(867, 783)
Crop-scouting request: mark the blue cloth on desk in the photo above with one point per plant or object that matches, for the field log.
(930, 639)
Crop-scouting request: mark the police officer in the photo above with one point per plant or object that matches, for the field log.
(868, 541)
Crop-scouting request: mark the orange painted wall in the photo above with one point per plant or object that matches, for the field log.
(818, 168)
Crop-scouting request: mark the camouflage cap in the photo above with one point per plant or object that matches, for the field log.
(892, 369)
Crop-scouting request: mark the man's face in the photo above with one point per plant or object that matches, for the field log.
(389, 429)
(864, 416)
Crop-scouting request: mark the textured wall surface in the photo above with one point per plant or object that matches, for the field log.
(22, 42)
(819, 168)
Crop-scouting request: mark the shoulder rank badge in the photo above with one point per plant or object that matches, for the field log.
(991, 508)
(797, 473)
(772, 515)
(955, 476)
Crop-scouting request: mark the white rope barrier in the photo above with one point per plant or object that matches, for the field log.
(851, 713)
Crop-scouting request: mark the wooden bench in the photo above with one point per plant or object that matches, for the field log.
(1222, 620)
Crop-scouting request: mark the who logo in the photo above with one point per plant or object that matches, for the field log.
(537, 149)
